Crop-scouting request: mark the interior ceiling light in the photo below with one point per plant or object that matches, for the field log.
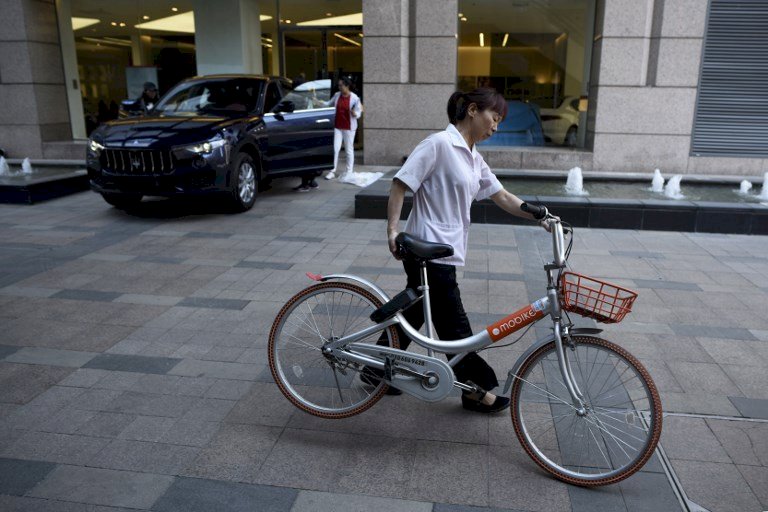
(360, 34)
(461, 15)
(184, 23)
(329, 14)
(287, 21)
(175, 9)
(122, 24)
(482, 39)
(351, 41)
(464, 18)
(78, 23)
(506, 38)
(145, 17)
(114, 23)
(346, 20)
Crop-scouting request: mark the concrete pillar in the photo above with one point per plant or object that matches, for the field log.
(141, 50)
(228, 37)
(34, 108)
(71, 75)
(409, 68)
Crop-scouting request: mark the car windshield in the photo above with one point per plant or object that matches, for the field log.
(216, 97)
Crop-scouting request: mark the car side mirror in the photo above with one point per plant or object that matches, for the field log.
(130, 108)
(286, 106)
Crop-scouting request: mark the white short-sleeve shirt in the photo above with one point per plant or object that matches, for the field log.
(445, 176)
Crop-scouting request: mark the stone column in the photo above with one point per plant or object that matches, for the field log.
(228, 37)
(645, 75)
(409, 69)
(71, 74)
(34, 106)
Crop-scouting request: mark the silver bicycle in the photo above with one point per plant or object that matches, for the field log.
(583, 408)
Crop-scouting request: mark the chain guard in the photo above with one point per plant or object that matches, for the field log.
(419, 363)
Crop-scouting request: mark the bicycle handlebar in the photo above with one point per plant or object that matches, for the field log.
(540, 212)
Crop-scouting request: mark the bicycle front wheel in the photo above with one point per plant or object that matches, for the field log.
(314, 382)
(618, 432)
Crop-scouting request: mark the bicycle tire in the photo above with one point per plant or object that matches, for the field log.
(306, 385)
(614, 427)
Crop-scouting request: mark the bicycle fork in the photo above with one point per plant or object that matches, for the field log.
(564, 363)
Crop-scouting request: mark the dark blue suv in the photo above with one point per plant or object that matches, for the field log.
(225, 134)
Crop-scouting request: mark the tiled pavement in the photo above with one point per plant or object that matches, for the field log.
(133, 368)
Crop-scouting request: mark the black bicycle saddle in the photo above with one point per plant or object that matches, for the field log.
(413, 248)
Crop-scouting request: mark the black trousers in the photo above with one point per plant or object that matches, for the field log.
(448, 317)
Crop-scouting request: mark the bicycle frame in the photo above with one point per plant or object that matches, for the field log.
(548, 305)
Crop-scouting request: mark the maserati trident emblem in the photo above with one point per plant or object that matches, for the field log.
(135, 161)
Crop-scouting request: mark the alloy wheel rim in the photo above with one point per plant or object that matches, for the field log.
(246, 183)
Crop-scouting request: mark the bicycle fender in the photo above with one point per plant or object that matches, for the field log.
(590, 331)
(378, 292)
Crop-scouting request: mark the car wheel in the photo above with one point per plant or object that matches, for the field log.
(122, 201)
(571, 138)
(244, 183)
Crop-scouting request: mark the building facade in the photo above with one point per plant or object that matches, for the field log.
(608, 85)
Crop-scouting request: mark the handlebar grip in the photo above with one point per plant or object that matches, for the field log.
(538, 212)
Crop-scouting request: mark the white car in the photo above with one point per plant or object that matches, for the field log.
(561, 124)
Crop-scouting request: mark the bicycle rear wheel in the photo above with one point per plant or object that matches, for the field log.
(622, 424)
(316, 383)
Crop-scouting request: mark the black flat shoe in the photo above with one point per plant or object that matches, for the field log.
(368, 376)
(498, 405)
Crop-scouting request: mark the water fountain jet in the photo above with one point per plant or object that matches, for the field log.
(672, 188)
(657, 184)
(574, 186)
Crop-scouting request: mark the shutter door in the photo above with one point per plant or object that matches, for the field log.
(732, 107)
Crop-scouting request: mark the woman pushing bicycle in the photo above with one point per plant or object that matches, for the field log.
(446, 173)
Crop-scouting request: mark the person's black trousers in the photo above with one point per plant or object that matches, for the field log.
(448, 317)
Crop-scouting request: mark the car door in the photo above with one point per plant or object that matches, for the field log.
(299, 130)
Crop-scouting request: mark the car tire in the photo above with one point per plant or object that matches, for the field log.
(571, 137)
(245, 182)
(122, 201)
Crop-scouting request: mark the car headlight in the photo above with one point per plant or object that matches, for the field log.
(95, 146)
(204, 148)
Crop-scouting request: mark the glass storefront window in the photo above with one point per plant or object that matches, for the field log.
(123, 43)
(537, 55)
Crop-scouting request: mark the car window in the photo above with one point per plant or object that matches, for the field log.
(272, 98)
(216, 97)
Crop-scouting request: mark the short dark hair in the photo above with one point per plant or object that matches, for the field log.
(485, 98)
(346, 80)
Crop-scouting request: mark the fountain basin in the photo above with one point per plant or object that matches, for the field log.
(46, 182)
(604, 207)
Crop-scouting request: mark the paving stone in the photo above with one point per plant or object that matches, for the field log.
(274, 265)
(647, 491)
(237, 453)
(147, 428)
(7, 350)
(149, 404)
(745, 442)
(50, 447)
(751, 407)
(28, 291)
(106, 424)
(216, 369)
(127, 363)
(17, 477)
(492, 276)
(752, 381)
(201, 302)
(200, 495)
(305, 239)
(706, 331)
(27, 504)
(151, 300)
(445, 507)
(716, 486)
(207, 234)
(228, 389)
(20, 383)
(313, 501)
(691, 439)
(91, 295)
(143, 456)
(757, 479)
(51, 356)
(103, 487)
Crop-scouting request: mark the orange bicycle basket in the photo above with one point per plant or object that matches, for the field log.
(593, 298)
